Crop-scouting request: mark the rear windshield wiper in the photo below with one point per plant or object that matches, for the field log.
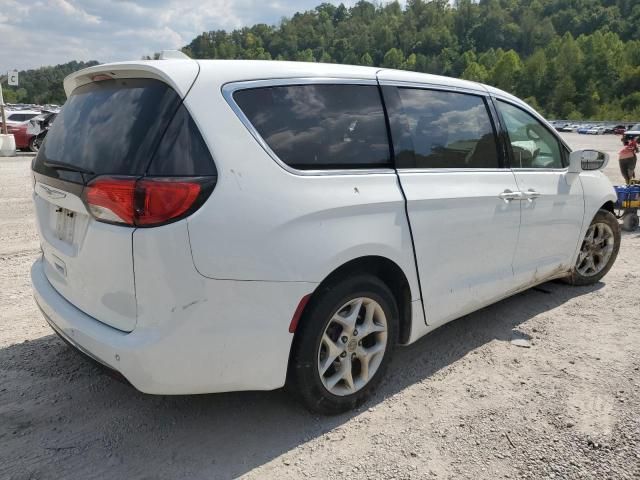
(66, 166)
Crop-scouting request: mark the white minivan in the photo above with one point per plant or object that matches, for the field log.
(209, 226)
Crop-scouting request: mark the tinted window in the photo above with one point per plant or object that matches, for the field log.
(109, 127)
(21, 117)
(436, 129)
(182, 150)
(320, 126)
(533, 145)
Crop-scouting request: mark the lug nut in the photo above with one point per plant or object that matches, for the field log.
(355, 332)
(343, 354)
(360, 342)
(353, 355)
(344, 339)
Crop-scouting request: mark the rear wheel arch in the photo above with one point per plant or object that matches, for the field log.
(389, 273)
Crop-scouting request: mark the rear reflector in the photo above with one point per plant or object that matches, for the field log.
(143, 202)
(298, 313)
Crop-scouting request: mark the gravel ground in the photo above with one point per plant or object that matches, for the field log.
(464, 402)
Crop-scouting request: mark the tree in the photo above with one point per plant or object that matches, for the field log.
(578, 58)
(506, 73)
(475, 72)
(366, 60)
(393, 58)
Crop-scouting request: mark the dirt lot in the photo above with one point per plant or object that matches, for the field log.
(461, 403)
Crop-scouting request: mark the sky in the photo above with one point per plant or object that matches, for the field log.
(34, 33)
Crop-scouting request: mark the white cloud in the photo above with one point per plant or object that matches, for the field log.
(47, 32)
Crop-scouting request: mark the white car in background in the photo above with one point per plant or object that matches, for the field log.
(596, 131)
(293, 222)
(20, 116)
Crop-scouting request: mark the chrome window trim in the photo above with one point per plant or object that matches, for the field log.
(229, 89)
(435, 86)
(454, 170)
(551, 170)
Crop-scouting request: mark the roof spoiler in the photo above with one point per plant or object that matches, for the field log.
(173, 55)
(176, 72)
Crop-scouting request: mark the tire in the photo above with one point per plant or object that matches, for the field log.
(602, 252)
(630, 221)
(34, 144)
(320, 338)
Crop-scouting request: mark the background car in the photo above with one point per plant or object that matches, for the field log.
(23, 139)
(595, 131)
(632, 132)
(18, 117)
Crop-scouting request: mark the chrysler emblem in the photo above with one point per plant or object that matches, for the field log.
(53, 193)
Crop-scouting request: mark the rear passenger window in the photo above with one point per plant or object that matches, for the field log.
(314, 127)
(437, 129)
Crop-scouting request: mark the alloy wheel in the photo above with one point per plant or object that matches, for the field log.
(597, 248)
(352, 346)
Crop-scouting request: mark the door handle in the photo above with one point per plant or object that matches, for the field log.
(531, 194)
(509, 195)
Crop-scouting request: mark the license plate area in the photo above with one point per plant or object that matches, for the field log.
(65, 224)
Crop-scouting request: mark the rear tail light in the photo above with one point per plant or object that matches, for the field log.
(145, 202)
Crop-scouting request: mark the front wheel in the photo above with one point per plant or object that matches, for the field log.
(343, 344)
(598, 250)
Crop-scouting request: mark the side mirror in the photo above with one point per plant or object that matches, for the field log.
(587, 160)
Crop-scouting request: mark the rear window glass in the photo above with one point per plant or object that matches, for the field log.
(312, 127)
(438, 129)
(182, 151)
(21, 117)
(115, 127)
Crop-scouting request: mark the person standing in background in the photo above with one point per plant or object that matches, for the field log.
(627, 159)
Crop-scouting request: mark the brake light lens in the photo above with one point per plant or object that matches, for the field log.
(145, 202)
(164, 199)
(112, 200)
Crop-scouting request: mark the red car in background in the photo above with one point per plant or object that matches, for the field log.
(17, 123)
(24, 141)
(30, 133)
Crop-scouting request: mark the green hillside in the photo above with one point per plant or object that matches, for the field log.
(42, 85)
(568, 58)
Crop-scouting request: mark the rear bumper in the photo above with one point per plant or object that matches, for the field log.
(191, 354)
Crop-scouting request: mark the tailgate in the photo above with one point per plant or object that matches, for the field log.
(110, 126)
(87, 262)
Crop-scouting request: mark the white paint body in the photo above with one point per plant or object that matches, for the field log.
(204, 304)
